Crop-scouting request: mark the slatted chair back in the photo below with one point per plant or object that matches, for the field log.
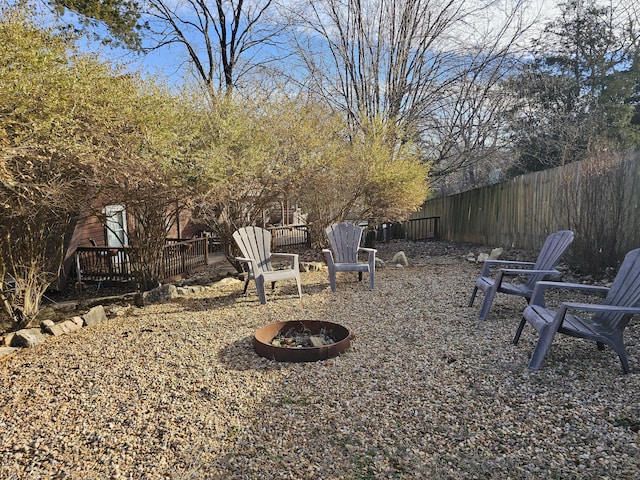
(255, 242)
(624, 292)
(345, 240)
(255, 245)
(550, 254)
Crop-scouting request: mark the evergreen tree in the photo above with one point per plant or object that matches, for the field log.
(579, 91)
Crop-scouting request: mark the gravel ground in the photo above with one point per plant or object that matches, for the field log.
(426, 391)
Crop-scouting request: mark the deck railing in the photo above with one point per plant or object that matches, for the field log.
(102, 264)
(108, 264)
(290, 235)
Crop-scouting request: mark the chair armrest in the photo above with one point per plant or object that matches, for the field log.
(253, 265)
(594, 307)
(503, 272)
(524, 271)
(329, 256)
(371, 259)
(498, 263)
(537, 297)
(284, 255)
(370, 251)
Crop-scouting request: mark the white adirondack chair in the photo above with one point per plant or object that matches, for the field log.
(255, 245)
(344, 239)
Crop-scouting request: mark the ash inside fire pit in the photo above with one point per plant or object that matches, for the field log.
(301, 341)
(293, 338)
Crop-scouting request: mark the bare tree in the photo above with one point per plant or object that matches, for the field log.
(223, 39)
(431, 65)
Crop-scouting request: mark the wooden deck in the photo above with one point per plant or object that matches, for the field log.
(107, 264)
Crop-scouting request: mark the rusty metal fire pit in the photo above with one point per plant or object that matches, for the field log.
(266, 341)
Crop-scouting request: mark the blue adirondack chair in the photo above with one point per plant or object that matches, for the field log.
(605, 323)
(255, 245)
(344, 239)
(554, 247)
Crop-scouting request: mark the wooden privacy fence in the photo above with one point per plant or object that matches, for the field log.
(106, 264)
(521, 212)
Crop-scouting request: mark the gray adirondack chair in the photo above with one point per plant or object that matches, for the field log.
(605, 323)
(344, 239)
(255, 245)
(554, 247)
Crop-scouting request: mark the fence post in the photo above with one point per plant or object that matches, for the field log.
(206, 248)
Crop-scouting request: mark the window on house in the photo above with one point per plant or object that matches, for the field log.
(116, 226)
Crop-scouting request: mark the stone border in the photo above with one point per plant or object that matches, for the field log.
(12, 342)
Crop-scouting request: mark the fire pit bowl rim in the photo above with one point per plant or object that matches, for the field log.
(263, 337)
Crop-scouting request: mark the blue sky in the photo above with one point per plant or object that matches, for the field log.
(169, 61)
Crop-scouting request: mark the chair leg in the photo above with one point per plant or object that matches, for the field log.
(617, 343)
(299, 287)
(542, 346)
(623, 360)
(473, 296)
(246, 285)
(372, 275)
(332, 280)
(516, 337)
(486, 303)
(262, 296)
(359, 276)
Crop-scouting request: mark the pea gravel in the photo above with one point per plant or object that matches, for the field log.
(175, 390)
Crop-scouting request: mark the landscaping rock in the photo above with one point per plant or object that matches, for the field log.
(4, 351)
(95, 315)
(46, 313)
(311, 266)
(27, 337)
(227, 281)
(6, 342)
(63, 327)
(47, 324)
(400, 259)
(189, 289)
(482, 257)
(160, 294)
(496, 253)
